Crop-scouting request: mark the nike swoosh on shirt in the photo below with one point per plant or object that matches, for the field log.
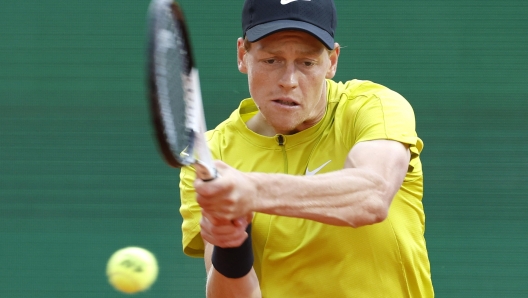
(311, 173)
(284, 2)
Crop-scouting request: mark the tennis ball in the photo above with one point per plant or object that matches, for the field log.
(132, 269)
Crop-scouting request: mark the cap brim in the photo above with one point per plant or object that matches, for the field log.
(260, 31)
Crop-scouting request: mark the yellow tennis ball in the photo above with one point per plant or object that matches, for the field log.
(132, 269)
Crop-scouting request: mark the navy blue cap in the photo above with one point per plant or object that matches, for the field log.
(261, 18)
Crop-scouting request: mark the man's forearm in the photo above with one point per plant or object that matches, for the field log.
(219, 286)
(349, 197)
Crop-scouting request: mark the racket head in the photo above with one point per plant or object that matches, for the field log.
(170, 65)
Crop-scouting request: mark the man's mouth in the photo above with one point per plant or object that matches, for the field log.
(286, 102)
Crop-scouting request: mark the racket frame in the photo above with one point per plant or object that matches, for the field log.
(196, 152)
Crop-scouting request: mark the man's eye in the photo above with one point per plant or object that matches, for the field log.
(270, 61)
(308, 63)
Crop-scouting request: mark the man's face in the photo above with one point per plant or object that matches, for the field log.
(286, 75)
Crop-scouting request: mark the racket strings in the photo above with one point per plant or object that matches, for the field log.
(172, 67)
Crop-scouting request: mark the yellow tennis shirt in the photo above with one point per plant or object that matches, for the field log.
(303, 258)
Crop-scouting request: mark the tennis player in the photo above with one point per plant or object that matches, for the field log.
(320, 183)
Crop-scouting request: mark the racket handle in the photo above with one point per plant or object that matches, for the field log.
(204, 172)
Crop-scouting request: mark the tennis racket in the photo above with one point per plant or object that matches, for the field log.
(174, 91)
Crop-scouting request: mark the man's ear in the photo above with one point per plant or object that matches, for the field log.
(241, 53)
(334, 57)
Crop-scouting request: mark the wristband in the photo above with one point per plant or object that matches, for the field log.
(234, 262)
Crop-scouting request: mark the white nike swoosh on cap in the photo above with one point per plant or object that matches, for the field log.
(311, 173)
(284, 2)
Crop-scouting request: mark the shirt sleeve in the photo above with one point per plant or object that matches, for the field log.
(192, 242)
(374, 112)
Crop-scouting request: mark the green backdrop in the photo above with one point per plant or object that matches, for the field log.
(80, 175)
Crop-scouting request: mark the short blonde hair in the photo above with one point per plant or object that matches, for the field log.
(247, 44)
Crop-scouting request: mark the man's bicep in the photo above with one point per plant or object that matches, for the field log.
(386, 158)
